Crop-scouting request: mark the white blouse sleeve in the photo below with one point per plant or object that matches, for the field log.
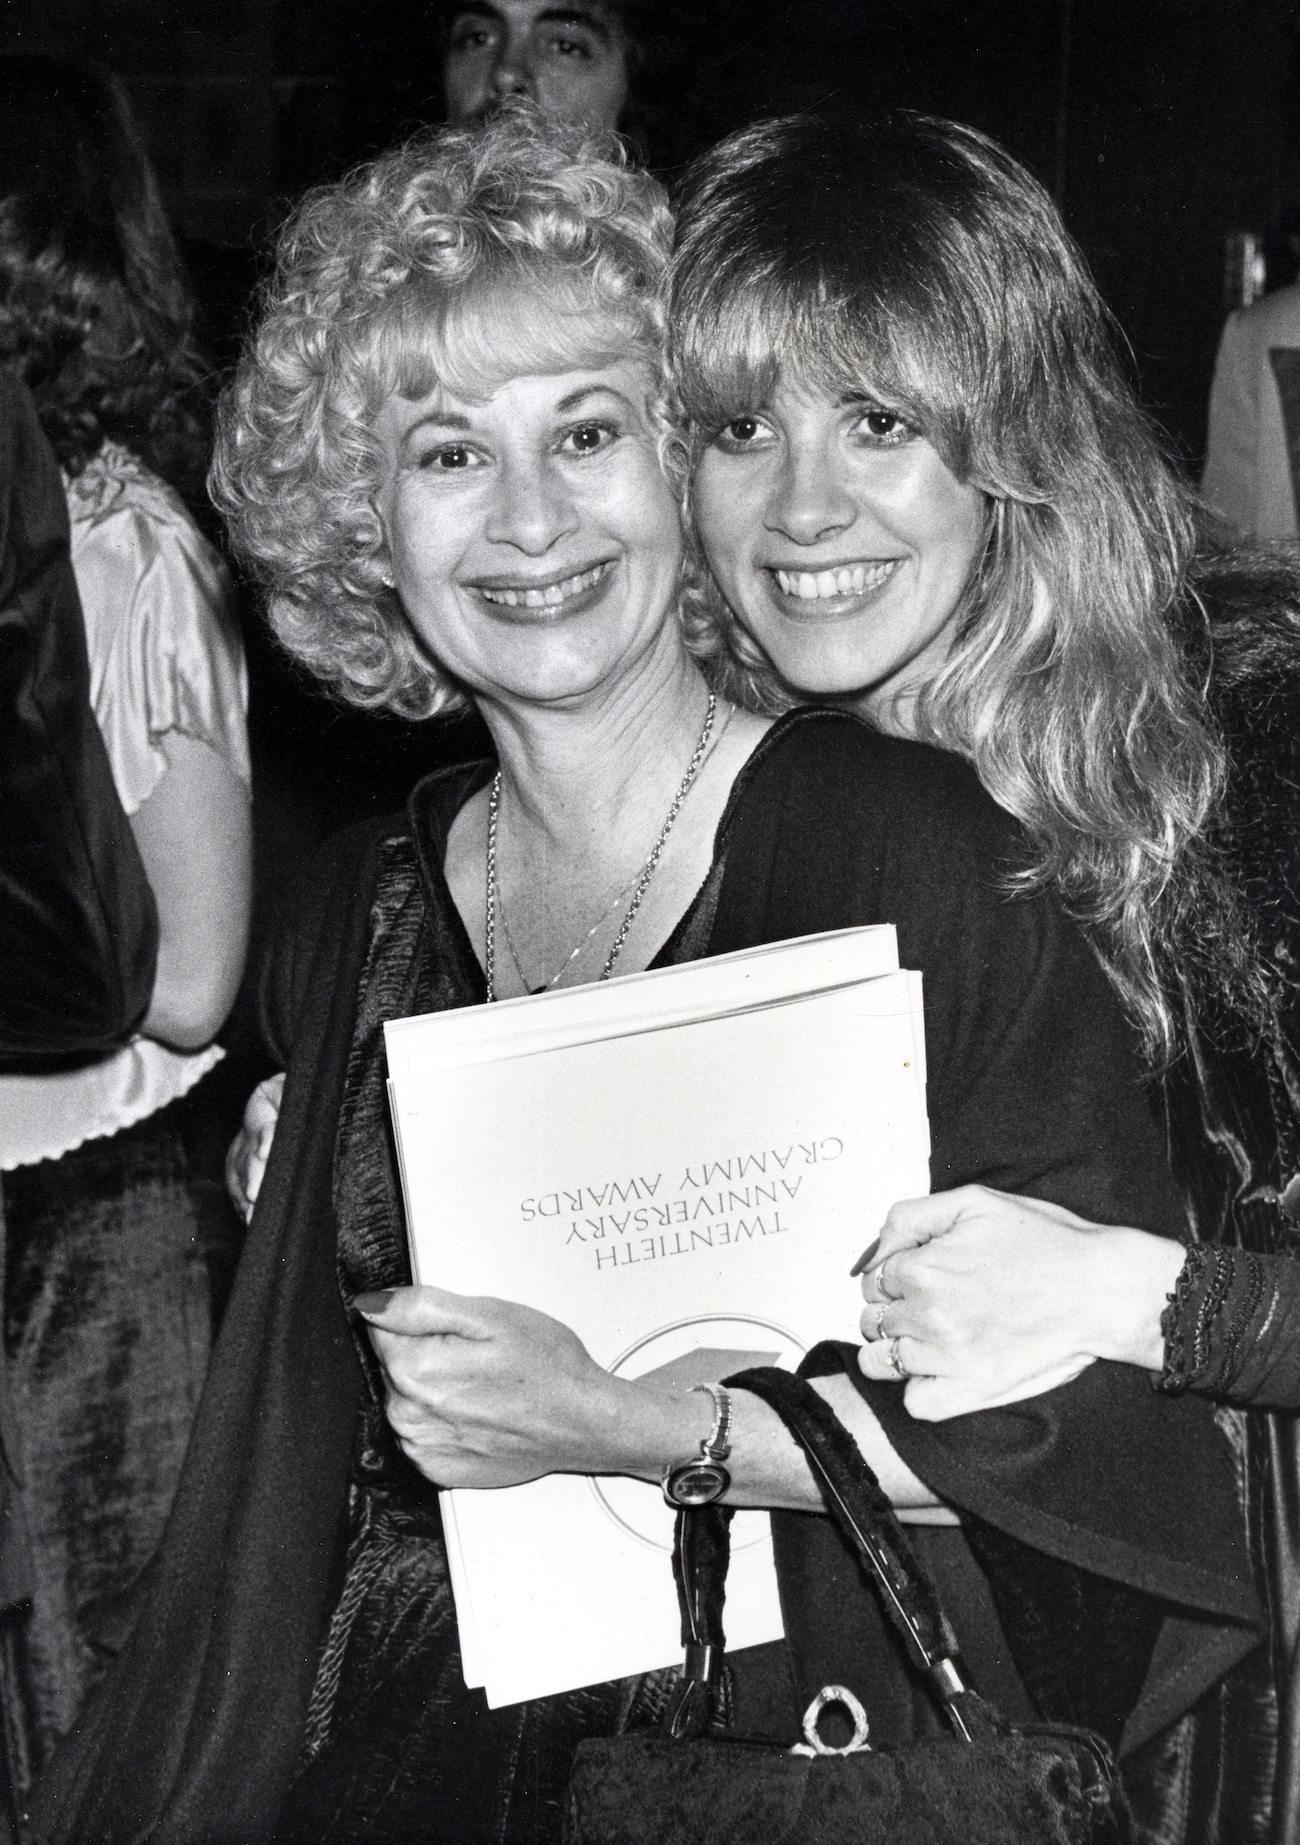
(165, 651)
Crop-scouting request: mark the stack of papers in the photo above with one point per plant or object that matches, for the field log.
(682, 1166)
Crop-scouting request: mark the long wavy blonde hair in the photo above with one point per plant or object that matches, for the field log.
(912, 260)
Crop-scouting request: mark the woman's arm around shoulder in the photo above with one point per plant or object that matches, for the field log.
(996, 1298)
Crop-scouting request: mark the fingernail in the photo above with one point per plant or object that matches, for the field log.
(374, 1303)
(866, 1256)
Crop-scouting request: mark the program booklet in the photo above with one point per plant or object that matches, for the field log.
(681, 1165)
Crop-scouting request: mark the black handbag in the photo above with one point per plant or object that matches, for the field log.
(989, 1783)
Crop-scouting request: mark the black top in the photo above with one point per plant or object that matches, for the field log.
(78, 926)
(1033, 1085)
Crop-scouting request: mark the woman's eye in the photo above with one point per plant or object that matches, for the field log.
(453, 456)
(587, 438)
(742, 432)
(885, 427)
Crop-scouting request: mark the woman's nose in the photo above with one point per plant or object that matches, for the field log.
(532, 508)
(809, 503)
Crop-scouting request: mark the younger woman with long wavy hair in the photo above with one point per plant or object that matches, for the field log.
(862, 313)
(919, 272)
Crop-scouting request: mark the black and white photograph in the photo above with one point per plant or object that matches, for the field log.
(650, 922)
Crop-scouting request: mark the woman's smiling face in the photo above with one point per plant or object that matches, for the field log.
(536, 544)
(840, 539)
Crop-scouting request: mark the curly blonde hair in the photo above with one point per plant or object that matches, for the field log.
(914, 261)
(428, 265)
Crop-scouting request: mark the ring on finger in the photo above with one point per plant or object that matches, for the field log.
(880, 1281)
(881, 1309)
(896, 1361)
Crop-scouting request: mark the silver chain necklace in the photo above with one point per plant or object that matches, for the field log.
(493, 898)
(555, 979)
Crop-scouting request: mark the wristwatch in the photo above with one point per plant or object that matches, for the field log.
(703, 1478)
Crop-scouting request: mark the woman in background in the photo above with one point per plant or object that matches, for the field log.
(924, 487)
(106, 1310)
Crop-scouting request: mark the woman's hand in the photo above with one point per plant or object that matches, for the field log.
(249, 1150)
(993, 1298)
(485, 1392)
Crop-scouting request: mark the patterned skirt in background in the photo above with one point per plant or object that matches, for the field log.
(107, 1331)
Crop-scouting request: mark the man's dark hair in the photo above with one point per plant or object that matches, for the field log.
(674, 61)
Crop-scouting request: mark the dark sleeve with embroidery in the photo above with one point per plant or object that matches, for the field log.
(1032, 1088)
(1232, 1328)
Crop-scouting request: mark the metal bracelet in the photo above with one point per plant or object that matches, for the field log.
(702, 1479)
(717, 1445)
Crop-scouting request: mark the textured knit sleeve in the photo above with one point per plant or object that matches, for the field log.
(1232, 1328)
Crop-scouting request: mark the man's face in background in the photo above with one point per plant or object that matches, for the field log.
(570, 59)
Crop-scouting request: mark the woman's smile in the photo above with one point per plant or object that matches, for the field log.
(827, 591)
(570, 595)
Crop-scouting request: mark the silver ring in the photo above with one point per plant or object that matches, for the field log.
(882, 1308)
(880, 1280)
(896, 1361)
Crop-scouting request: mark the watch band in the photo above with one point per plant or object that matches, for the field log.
(703, 1477)
(717, 1444)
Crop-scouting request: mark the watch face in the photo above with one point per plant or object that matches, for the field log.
(697, 1482)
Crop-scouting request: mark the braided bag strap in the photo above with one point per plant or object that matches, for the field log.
(855, 1500)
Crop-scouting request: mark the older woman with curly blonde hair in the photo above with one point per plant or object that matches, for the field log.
(445, 456)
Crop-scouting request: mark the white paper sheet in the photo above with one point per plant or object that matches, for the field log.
(705, 1184)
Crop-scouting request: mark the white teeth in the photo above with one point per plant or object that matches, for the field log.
(548, 598)
(845, 580)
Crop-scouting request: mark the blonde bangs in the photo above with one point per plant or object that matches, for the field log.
(510, 325)
(736, 346)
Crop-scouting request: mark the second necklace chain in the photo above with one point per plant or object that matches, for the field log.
(494, 906)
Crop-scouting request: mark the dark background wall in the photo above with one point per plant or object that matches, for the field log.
(1160, 124)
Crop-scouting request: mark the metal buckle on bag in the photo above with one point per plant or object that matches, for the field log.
(703, 1663)
(833, 1694)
